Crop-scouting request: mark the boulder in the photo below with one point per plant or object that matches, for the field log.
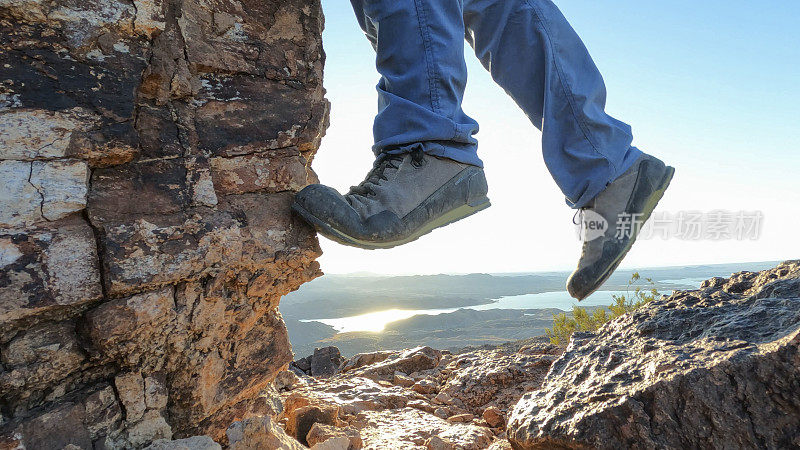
(38, 359)
(325, 361)
(130, 389)
(717, 367)
(304, 364)
(425, 386)
(34, 192)
(51, 272)
(385, 364)
(148, 428)
(365, 359)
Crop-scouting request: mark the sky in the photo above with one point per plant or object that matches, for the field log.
(712, 88)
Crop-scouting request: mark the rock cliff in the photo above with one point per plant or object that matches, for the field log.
(148, 153)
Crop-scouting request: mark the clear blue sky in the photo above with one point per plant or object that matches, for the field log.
(712, 87)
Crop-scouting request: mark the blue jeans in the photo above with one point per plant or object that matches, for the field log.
(530, 50)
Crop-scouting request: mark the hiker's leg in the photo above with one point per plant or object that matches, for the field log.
(534, 54)
(427, 173)
(420, 57)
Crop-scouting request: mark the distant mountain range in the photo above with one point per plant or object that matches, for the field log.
(335, 296)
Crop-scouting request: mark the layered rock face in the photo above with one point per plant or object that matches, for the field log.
(717, 367)
(149, 150)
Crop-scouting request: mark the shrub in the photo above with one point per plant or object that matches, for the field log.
(638, 292)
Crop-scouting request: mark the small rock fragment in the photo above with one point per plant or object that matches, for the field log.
(258, 433)
(402, 380)
(323, 433)
(443, 398)
(286, 380)
(461, 418)
(190, 443)
(130, 388)
(437, 443)
(424, 386)
(494, 417)
(334, 443)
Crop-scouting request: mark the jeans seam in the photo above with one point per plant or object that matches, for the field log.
(566, 87)
(433, 75)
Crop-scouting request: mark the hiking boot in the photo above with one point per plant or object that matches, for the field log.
(403, 197)
(630, 199)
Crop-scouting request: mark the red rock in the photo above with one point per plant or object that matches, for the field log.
(494, 417)
(424, 387)
(422, 406)
(461, 418)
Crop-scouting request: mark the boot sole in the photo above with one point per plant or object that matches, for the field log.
(454, 215)
(651, 204)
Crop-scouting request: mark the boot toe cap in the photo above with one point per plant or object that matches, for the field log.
(322, 204)
(315, 194)
(578, 285)
(322, 201)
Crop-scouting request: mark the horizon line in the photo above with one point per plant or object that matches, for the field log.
(366, 274)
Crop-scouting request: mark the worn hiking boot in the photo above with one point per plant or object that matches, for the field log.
(630, 199)
(403, 197)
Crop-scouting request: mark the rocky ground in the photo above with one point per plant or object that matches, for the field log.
(418, 398)
(717, 367)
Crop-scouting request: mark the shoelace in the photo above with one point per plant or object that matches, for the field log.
(580, 215)
(376, 174)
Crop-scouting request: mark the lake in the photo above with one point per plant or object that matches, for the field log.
(376, 321)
